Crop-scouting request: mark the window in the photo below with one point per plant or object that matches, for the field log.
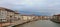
(2, 14)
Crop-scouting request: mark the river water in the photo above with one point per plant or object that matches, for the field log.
(41, 23)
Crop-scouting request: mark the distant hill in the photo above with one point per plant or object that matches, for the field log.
(36, 13)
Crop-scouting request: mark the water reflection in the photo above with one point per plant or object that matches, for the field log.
(41, 23)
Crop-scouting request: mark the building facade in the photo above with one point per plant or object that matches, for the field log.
(8, 15)
(56, 18)
(28, 17)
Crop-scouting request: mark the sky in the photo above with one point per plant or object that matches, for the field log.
(39, 7)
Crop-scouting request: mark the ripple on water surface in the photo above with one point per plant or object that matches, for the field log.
(42, 23)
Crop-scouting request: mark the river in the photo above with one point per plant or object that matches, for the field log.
(41, 23)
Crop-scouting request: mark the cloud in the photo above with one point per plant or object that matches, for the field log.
(52, 6)
(26, 3)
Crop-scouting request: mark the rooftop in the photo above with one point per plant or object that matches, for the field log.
(9, 10)
(6, 9)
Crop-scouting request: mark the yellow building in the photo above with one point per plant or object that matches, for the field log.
(28, 17)
(24, 17)
(10, 15)
(17, 16)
